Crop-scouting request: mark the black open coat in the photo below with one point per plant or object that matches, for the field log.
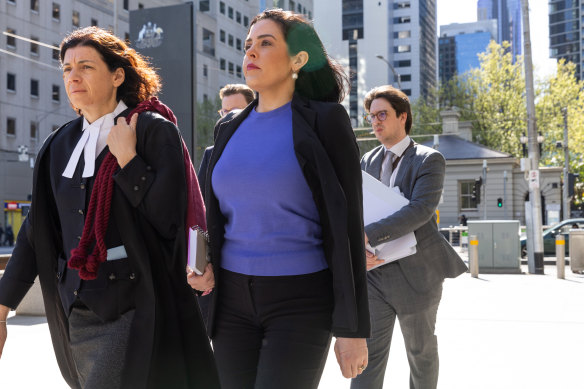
(168, 346)
(328, 155)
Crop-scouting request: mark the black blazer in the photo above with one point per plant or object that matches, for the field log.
(328, 155)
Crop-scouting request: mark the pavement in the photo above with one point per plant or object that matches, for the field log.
(498, 331)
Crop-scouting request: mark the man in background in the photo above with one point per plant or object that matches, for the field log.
(409, 289)
(233, 97)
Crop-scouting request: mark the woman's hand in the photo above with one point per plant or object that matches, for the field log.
(204, 282)
(352, 356)
(122, 140)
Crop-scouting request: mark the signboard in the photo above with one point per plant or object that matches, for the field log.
(533, 179)
(165, 35)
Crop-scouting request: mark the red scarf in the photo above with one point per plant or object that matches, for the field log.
(97, 217)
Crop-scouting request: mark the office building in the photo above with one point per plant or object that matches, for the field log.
(566, 34)
(509, 21)
(381, 43)
(459, 45)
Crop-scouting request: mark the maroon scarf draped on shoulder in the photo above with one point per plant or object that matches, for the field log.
(97, 218)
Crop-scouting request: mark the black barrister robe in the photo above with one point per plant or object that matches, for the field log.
(168, 346)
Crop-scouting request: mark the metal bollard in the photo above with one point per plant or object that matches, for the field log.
(473, 256)
(561, 255)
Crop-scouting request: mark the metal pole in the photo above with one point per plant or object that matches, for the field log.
(395, 74)
(561, 255)
(565, 195)
(485, 189)
(534, 192)
(473, 256)
(116, 17)
(505, 194)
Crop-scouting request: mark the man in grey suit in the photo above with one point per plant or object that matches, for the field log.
(409, 288)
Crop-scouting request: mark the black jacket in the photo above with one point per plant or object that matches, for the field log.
(328, 155)
(168, 346)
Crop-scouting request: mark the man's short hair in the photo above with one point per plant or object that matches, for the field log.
(233, 89)
(396, 98)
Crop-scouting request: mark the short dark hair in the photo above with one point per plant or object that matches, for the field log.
(321, 78)
(141, 81)
(396, 98)
(233, 89)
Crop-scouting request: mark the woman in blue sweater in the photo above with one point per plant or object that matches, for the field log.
(284, 213)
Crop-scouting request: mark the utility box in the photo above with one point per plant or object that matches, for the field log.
(577, 250)
(498, 245)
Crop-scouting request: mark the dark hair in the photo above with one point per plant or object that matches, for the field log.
(233, 89)
(321, 78)
(141, 81)
(399, 101)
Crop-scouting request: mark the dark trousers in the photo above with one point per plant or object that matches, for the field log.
(272, 332)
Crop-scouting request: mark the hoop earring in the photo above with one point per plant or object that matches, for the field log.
(295, 76)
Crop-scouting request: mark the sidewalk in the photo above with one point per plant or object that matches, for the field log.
(495, 332)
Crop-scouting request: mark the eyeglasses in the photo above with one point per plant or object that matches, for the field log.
(381, 116)
(223, 112)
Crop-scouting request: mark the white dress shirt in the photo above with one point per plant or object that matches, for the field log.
(92, 142)
(397, 149)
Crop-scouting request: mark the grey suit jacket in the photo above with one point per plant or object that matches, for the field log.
(420, 177)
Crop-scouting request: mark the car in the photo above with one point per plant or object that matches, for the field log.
(549, 237)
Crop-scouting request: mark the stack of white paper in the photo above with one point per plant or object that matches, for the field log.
(380, 201)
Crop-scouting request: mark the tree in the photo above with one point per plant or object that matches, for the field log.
(207, 116)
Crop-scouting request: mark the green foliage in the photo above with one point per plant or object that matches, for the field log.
(492, 97)
(207, 116)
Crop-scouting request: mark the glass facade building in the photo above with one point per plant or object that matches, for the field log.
(566, 36)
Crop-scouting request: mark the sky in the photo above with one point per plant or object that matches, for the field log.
(464, 11)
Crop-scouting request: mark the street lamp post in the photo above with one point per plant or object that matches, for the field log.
(395, 74)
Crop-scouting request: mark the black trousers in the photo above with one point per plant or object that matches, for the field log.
(272, 332)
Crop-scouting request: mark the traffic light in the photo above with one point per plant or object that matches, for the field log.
(572, 183)
(476, 190)
(499, 202)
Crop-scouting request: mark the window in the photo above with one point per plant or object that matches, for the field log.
(126, 5)
(402, 34)
(406, 77)
(466, 200)
(34, 47)
(10, 40)
(56, 95)
(245, 21)
(34, 88)
(238, 71)
(402, 19)
(230, 40)
(238, 44)
(11, 82)
(403, 49)
(34, 5)
(292, 6)
(94, 22)
(127, 37)
(34, 134)
(238, 17)
(11, 126)
(222, 36)
(231, 66)
(75, 19)
(140, 6)
(401, 5)
(56, 11)
(205, 71)
(299, 9)
(402, 64)
(55, 52)
(204, 5)
(222, 64)
(208, 42)
(230, 12)
(222, 7)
